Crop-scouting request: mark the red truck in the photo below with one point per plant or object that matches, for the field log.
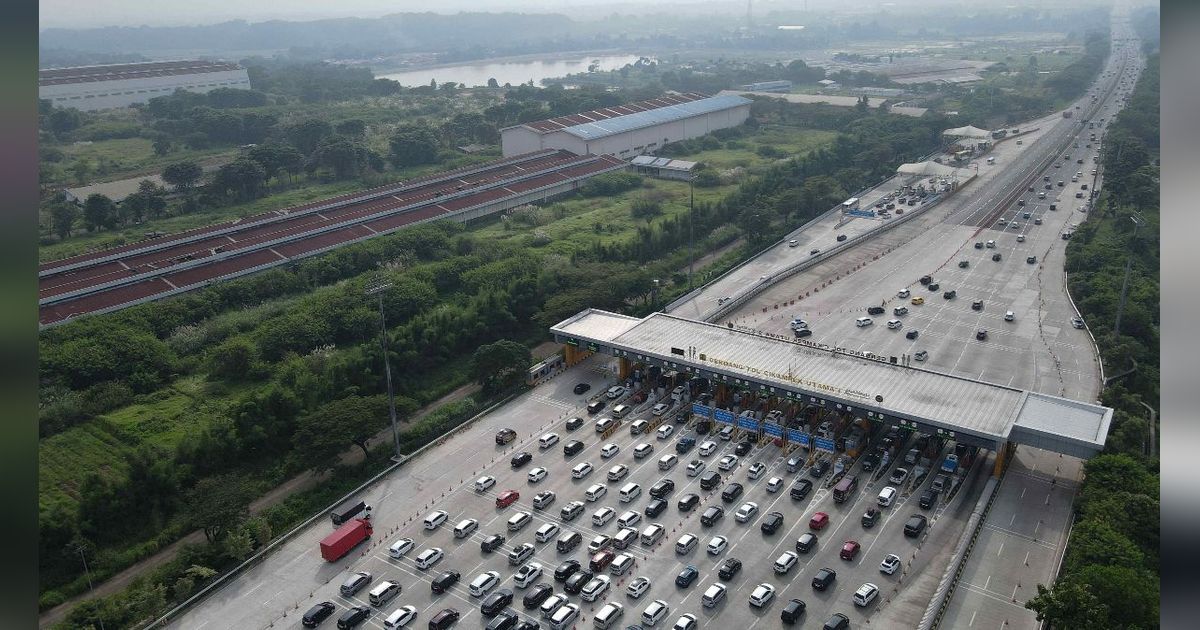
(344, 538)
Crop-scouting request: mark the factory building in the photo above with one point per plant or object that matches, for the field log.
(90, 88)
(629, 130)
(768, 86)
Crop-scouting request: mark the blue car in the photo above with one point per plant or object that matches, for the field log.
(687, 576)
(685, 444)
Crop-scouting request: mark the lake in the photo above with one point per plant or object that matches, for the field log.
(514, 72)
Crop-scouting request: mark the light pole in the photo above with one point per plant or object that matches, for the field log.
(1137, 222)
(79, 547)
(377, 288)
(691, 227)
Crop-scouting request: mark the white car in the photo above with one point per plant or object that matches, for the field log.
(786, 561)
(894, 324)
(400, 547)
(552, 603)
(660, 409)
(638, 586)
(886, 496)
(655, 612)
(900, 310)
(717, 544)
(484, 483)
(863, 321)
(774, 484)
(642, 450)
(799, 324)
(400, 617)
(608, 450)
(746, 512)
(668, 461)
(483, 583)
(548, 440)
(581, 470)
(435, 519)
(618, 472)
(685, 622)
(695, 467)
(756, 470)
(727, 462)
(1009, 316)
(602, 516)
(762, 595)
(890, 564)
(665, 431)
(903, 293)
(793, 243)
(707, 447)
(898, 476)
(866, 594)
(429, 557)
(921, 355)
(537, 474)
(527, 574)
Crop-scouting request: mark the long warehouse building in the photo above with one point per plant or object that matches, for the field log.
(90, 88)
(629, 130)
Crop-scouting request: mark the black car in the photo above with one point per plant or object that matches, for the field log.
(792, 612)
(595, 406)
(926, 279)
(978, 245)
(491, 543)
(977, 305)
(743, 448)
(582, 388)
(317, 614)
(934, 286)
(1031, 260)
(712, 515)
(687, 576)
(353, 617)
(914, 525)
(574, 423)
(443, 582)
(537, 594)
(732, 492)
(771, 523)
(870, 517)
(685, 444)
(875, 310)
(841, 237)
(527, 625)
(566, 570)
(504, 620)
(872, 459)
(572, 447)
(800, 489)
(710, 480)
(996, 257)
(950, 295)
(688, 501)
(654, 508)
(912, 334)
(819, 469)
(730, 568)
(662, 488)
(836, 621)
(803, 332)
(444, 618)
(928, 499)
(806, 542)
(520, 459)
(495, 602)
(824, 578)
(963, 264)
(981, 335)
(575, 583)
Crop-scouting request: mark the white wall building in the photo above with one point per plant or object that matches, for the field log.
(629, 130)
(90, 88)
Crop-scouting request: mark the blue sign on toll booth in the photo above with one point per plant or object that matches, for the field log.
(750, 424)
(772, 429)
(824, 444)
(703, 411)
(723, 416)
(795, 436)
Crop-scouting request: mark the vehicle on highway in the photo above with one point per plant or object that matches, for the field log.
(898, 476)
(890, 564)
(642, 450)
(353, 616)
(915, 525)
(981, 335)
(870, 517)
(1077, 322)
(317, 614)
(355, 583)
(582, 388)
(862, 321)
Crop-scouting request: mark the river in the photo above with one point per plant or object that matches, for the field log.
(514, 72)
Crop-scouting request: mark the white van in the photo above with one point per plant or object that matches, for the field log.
(991, 160)
(546, 532)
(484, 483)
(435, 519)
(629, 518)
(713, 595)
(383, 592)
(595, 492)
(620, 411)
(886, 496)
(609, 616)
(862, 321)
(621, 564)
(519, 520)
(547, 440)
(630, 492)
(624, 537)
(604, 424)
(465, 527)
(686, 544)
(564, 616)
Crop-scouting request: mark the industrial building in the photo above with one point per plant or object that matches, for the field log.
(629, 130)
(90, 88)
(768, 86)
(663, 168)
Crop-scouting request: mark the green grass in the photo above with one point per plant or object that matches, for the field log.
(65, 458)
(122, 158)
(789, 139)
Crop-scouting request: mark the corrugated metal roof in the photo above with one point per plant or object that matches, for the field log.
(639, 120)
(126, 71)
(644, 160)
(549, 125)
(959, 404)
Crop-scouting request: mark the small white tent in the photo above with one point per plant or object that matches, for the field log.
(967, 132)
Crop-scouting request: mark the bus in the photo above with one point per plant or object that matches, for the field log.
(844, 488)
(850, 204)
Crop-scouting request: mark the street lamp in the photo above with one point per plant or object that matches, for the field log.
(377, 288)
(1137, 222)
(691, 227)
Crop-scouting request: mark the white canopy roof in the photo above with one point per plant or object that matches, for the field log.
(928, 169)
(967, 132)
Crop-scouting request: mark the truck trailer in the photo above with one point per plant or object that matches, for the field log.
(344, 538)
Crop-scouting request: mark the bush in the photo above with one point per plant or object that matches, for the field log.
(610, 184)
(708, 178)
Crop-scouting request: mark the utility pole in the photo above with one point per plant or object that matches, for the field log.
(691, 227)
(1137, 222)
(79, 547)
(376, 288)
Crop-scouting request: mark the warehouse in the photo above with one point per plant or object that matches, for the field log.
(91, 88)
(663, 168)
(629, 130)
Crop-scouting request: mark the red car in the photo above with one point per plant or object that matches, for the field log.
(818, 521)
(850, 549)
(601, 560)
(507, 498)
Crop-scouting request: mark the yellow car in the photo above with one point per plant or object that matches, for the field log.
(917, 301)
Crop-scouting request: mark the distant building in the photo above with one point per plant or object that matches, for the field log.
(629, 130)
(663, 168)
(827, 83)
(768, 86)
(91, 88)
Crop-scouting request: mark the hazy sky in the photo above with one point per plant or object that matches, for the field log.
(89, 13)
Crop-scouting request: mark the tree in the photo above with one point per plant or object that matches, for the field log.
(183, 176)
(306, 135)
(343, 155)
(64, 121)
(99, 212)
(500, 364)
(233, 359)
(644, 208)
(162, 144)
(243, 178)
(413, 144)
(492, 83)
(1068, 606)
(324, 433)
(62, 217)
(354, 127)
(218, 504)
(1094, 542)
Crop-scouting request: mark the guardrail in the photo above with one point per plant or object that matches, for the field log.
(1095, 345)
(258, 557)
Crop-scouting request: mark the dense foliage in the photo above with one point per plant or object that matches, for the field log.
(1110, 577)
